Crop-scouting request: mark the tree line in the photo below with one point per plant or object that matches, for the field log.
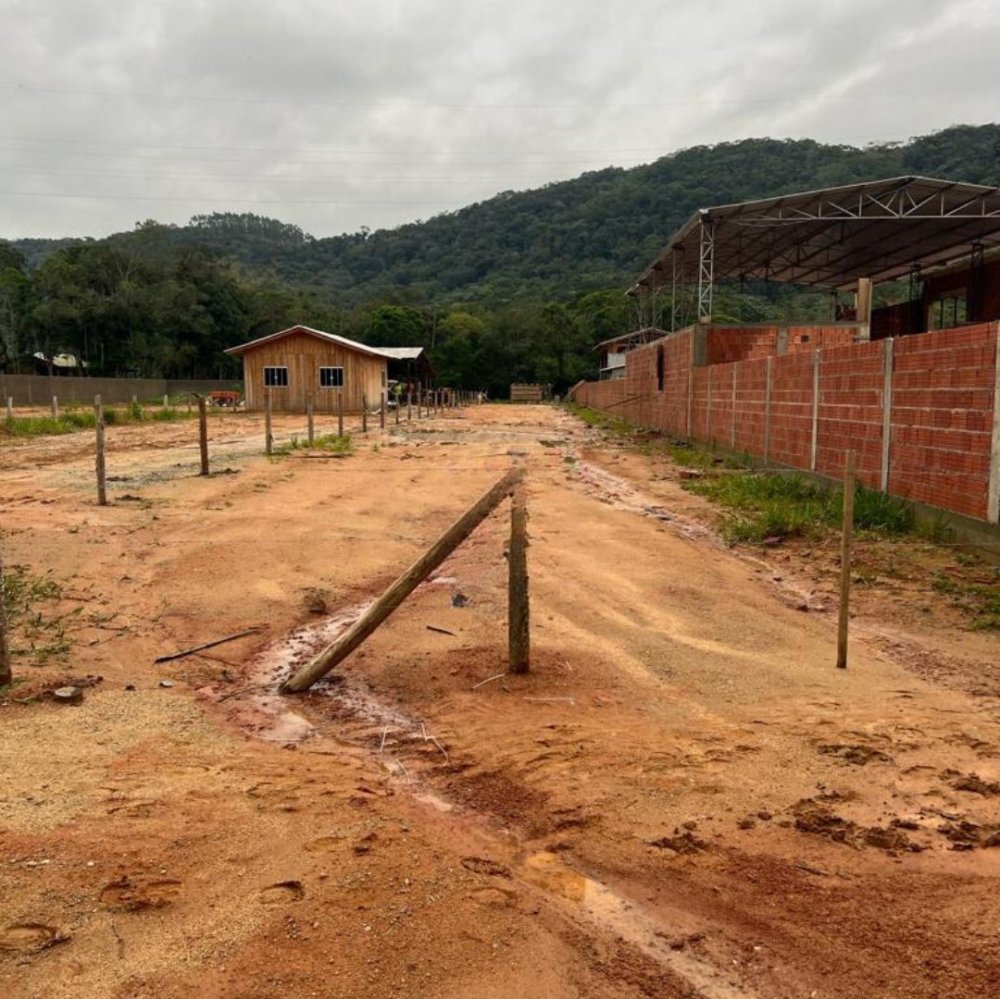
(516, 288)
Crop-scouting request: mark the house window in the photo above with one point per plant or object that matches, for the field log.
(331, 377)
(276, 377)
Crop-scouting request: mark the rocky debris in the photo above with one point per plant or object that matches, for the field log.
(680, 842)
(817, 819)
(858, 755)
(483, 865)
(459, 599)
(67, 695)
(976, 785)
(315, 600)
(965, 835)
(166, 683)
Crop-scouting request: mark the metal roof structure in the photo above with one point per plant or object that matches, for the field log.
(628, 341)
(829, 238)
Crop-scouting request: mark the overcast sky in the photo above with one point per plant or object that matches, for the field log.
(335, 114)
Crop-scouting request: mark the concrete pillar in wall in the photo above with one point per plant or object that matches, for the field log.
(814, 444)
(993, 495)
(782, 341)
(887, 368)
(864, 308)
(767, 411)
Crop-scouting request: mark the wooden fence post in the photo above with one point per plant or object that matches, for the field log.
(846, 538)
(409, 404)
(166, 401)
(268, 437)
(203, 432)
(518, 631)
(404, 585)
(310, 423)
(340, 413)
(364, 414)
(55, 407)
(6, 672)
(99, 465)
(381, 410)
(10, 408)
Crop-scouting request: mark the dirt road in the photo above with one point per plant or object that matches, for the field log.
(683, 798)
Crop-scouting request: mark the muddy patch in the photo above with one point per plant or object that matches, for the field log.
(28, 938)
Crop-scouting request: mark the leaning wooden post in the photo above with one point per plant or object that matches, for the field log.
(6, 671)
(364, 414)
(310, 427)
(340, 413)
(846, 537)
(518, 632)
(406, 584)
(203, 432)
(99, 466)
(268, 438)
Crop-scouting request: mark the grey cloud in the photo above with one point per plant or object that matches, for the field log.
(340, 114)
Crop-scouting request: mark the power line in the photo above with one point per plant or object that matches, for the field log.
(794, 98)
(217, 199)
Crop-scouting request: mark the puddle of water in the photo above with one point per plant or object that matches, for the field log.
(612, 912)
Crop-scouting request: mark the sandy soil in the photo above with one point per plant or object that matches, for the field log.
(683, 798)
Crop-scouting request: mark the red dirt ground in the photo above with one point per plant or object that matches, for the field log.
(683, 798)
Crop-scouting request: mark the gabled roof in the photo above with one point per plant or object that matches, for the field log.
(393, 353)
(879, 229)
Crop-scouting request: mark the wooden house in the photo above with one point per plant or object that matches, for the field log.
(300, 363)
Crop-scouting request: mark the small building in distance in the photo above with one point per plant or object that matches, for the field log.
(300, 363)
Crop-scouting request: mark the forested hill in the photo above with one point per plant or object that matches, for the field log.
(562, 240)
(516, 288)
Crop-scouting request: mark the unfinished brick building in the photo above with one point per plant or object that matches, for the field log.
(912, 387)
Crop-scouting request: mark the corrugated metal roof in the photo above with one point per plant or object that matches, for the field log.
(830, 237)
(394, 353)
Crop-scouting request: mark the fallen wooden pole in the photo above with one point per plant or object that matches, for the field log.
(205, 645)
(404, 585)
(99, 465)
(203, 433)
(846, 539)
(518, 632)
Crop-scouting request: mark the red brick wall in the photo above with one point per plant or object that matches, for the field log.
(943, 386)
(734, 343)
(791, 410)
(942, 417)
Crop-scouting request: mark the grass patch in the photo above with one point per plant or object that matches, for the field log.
(330, 443)
(760, 506)
(37, 630)
(73, 420)
(601, 421)
(974, 588)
